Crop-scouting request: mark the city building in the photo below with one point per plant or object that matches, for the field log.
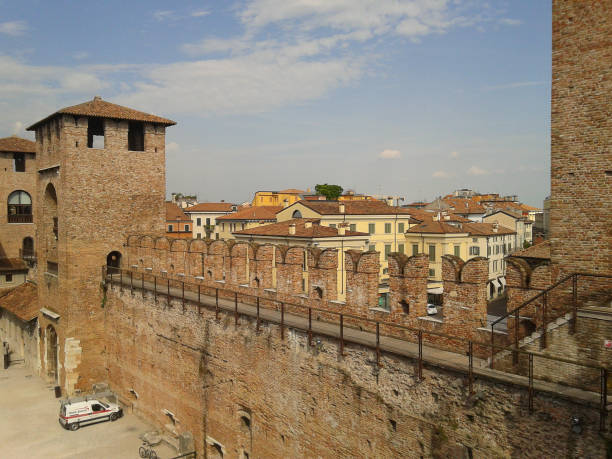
(308, 232)
(178, 223)
(277, 198)
(204, 218)
(250, 217)
(184, 201)
(17, 193)
(520, 224)
(13, 272)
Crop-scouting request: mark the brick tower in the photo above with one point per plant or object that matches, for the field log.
(101, 176)
(581, 137)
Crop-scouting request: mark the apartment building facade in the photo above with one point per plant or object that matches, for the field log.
(204, 218)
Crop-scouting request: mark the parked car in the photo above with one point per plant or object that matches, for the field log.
(432, 309)
(76, 412)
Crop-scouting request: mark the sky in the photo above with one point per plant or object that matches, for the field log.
(407, 98)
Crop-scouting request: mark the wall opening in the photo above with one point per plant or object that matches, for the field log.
(113, 262)
(52, 372)
(27, 248)
(95, 133)
(135, 136)
(19, 207)
(296, 214)
(19, 162)
(318, 293)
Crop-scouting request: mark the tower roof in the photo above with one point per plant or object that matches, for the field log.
(16, 144)
(103, 109)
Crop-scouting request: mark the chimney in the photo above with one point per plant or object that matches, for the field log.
(341, 208)
(285, 203)
(389, 201)
(436, 218)
(495, 227)
(341, 230)
(307, 224)
(97, 98)
(292, 229)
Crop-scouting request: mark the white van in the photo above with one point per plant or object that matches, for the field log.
(76, 412)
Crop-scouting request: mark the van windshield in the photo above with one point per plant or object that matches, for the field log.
(63, 410)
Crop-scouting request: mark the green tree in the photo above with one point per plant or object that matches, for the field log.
(331, 192)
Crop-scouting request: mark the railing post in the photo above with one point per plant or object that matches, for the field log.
(515, 355)
(603, 411)
(420, 362)
(471, 368)
(492, 347)
(216, 303)
(544, 321)
(235, 308)
(257, 326)
(574, 303)
(282, 324)
(309, 326)
(378, 344)
(131, 283)
(530, 382)
(341, 334)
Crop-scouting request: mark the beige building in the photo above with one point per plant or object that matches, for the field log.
(465, 240)
(204, 218)
(308, 232)
(520, 224)
(248, 218)
(13, 272)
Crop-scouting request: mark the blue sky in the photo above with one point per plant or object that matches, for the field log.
(411, 98)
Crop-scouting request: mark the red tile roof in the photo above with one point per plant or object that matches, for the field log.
(435, 227)
(12, 264)
(211, 207)
(535, 251)
(267, 213)
(22, 301)
(175, 213)
(281, 229)
(103, 109)
(475, 229)
(16, 144)
(354, 208)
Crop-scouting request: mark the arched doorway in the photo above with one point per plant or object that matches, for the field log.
(113, 262)
(52, 354)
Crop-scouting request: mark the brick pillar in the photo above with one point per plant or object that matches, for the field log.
(465, 292)
(322, 273)
(361, 280)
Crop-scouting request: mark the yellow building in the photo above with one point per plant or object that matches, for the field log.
(438, 237)
(385, 224)
(277, 198)
(308, 232)
(250, 217)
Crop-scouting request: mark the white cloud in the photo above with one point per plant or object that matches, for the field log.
(13, 28)
(389, 154)
(454, 154)
(18, 127)
(475, 170)
(510, 22)
(441, 174)
(163, 15)
(81, 55)
(199, 14)
(172, 147)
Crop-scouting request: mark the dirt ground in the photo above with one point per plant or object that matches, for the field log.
(29, 426)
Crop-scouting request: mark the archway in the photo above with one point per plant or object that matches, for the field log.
(52, 372)
(113, 262)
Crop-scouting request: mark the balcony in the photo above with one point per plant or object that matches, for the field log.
(20, 218)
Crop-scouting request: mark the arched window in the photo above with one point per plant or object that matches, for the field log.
(19, 207)
(27, 250)
(296, 214)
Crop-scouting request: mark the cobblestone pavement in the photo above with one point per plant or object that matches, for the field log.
(29, 426)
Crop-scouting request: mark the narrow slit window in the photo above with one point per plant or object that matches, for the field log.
(95, 133)
(136, 136)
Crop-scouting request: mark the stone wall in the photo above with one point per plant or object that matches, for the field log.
(581, 134)
(239, 391)
(22, 338)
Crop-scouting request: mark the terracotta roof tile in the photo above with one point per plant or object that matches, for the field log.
(475, 229)
(253, 214)
(354, 207)
(21, 301)
(103, 109)
(435, 227)
(281, 229)
(175, 213)
(16, 144)
(211, 207)
(12, 264)
(535, 251)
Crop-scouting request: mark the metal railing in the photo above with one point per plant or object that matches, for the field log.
(545, 309)
(164, 286)
(20, 218)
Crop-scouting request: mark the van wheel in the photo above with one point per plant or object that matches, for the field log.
(74, 426)
(114, 416)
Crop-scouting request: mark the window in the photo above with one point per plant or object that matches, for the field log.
(457, 251)
(170, 228)
(432, 272)
(18, 162)
(474, 250)
(135, 136)
(95, 133)
(497, 249)
(9, 277)
(387, 228)
(509, 247)
(372, 247)
(474, 239)
(432, 253)
(296, 214)
(371, 228)
(332, 225)
(400, 227)
(19, 207)
(400, 248)
(222, 226)
(198, 221)
(187, 228)
(387, 251)
(383, 302)
(199, 236)
(52, 268)
(488, 251)
(208, 222)
(495, 265)
(353, 227)
(415, 249)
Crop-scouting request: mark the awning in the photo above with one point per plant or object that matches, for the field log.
(48, 313)
(435, 290)
(502, 280)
